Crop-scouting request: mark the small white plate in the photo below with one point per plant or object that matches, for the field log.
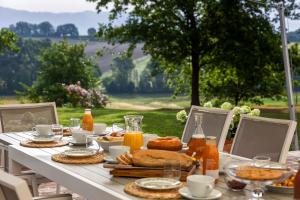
(109, 159)
(215, 194)
(35, 134)
(42, 139)
(72, 141)
(158, 183)
(80, 152)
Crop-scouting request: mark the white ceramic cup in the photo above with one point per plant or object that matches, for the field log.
(79, 135)
(99, 128)
(115, 151)
(43, 129)
(200, 185)
(147, 137)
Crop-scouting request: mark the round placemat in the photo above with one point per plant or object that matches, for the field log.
(133, 189)
(29, 143)
(98, 158)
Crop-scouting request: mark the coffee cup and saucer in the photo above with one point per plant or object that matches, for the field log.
(114, 152)
(80, 137)
(200, 187)
(42, 133)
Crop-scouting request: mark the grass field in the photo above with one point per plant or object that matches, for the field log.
(162, 122)
(159, 111)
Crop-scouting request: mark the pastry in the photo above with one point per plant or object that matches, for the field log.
(256, 173)
(158, 158)
(165, 143)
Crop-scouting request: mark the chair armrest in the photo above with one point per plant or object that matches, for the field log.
(55, 197)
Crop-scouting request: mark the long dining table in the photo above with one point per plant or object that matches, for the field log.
(92, 181)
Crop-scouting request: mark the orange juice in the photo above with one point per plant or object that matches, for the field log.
(134, 140)
(87, 120)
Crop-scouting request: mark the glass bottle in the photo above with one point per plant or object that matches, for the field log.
(87, 120)
(297, 183)
(211, 158)
(133, 136)
(197, 142)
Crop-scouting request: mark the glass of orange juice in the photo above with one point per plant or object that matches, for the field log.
(133, 136)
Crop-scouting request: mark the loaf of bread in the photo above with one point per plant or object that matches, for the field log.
(158, 158)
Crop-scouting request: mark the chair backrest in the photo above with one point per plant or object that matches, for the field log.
(263, 136)
(23, 117)
(13, 188)
(216, 122)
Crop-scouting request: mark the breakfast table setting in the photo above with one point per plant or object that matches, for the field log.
(122, 162)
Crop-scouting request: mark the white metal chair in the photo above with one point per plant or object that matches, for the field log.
(216, 122)
(14, 188)
(257, 136)
(23, 117)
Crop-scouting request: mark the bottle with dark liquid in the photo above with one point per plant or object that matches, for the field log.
(197, 142)
(297, 183)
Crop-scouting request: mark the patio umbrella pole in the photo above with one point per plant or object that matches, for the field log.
(287, 69)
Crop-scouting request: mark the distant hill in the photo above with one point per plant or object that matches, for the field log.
(83, 20)
(294, 36)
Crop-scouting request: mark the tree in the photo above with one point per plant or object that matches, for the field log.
(21, 66)
(69, 30)
(23, 29)
(181, 33)
(7, 40)
(246, 57)
(121, 79)
(46, 29)
(91, 32)
(62, 64)
(170, 31)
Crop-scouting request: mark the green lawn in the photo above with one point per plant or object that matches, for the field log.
(162, 122)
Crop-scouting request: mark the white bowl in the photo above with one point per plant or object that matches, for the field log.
(106, 144)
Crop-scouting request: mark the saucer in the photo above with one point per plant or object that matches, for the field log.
(42, 139)
(215, 194)
(79, 153)
(35, 134)
(110, 160)
(75, 143)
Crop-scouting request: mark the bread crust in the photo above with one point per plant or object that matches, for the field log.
(158, 158)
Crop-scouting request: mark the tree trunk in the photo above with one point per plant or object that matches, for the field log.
(195, 79)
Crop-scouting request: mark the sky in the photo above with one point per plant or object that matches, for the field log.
(49, 5)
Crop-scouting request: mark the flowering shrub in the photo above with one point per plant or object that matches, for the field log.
(181, 116)
(237, 111)
(85, 98)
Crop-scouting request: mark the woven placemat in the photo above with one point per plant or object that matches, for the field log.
(98, 158)
(133, 189)
(29, 143)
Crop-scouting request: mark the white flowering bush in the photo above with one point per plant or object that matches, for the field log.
(237, 111)
(181, 116)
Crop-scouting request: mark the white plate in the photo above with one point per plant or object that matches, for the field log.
(72, 141)
(215, 194)
(158, 183)
(42, 139)
(35, 134)
(78, 153)
(109, 159)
